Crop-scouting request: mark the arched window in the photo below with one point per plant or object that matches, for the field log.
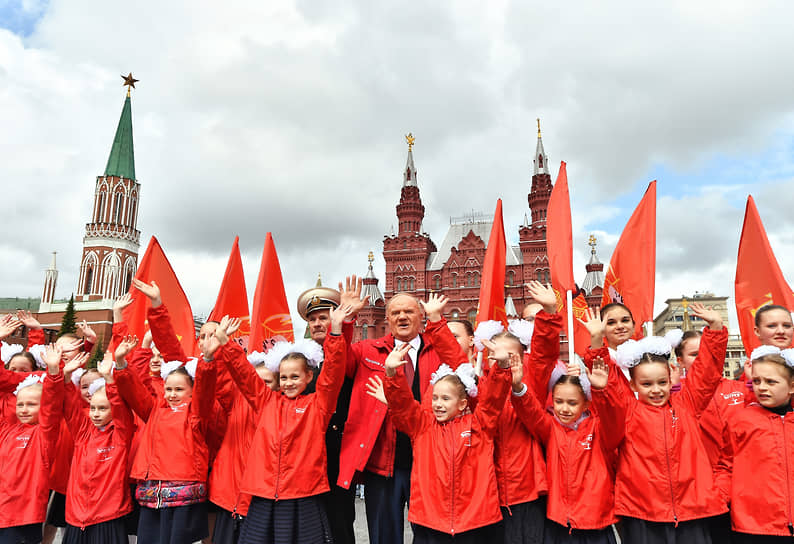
(511, 278)
(540, 161)
(472, 316)
(539, 274)
(454, 280)
(405, 244)
(411, 284)
(100, 209)
(117, 208)
(131, 216)
(89, 277)
(364, 331)
(437, 282)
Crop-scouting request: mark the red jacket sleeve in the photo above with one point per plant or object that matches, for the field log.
(544, 352)
(225, 388)
(119, 331)
(493, 399)
(705, 373)
(248, 381)
(35, 337)
(611, 405)
(532, 415)
(405, 411)
(10, 380)
(133, 392)
(122, 415)
(50, 414)
(203, 402)
(138, 362)
(332, 374)
(723, 471)
(73, 413)
(445, 344)
(164, 335)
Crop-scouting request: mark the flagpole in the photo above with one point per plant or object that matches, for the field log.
(569, 304)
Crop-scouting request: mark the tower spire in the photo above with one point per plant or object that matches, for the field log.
(541, 159)
(409, 176)
(121, 162)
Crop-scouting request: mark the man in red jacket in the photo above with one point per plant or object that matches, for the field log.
(371, 445)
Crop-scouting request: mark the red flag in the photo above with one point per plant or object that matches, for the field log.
(155, 267)
(270, 318)
(631, 276)
(232, 297)
(492, 287)
(759, 280)
(559, 238)
(559, 234)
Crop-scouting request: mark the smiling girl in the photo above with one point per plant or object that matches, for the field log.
(453, 483)
(580, 455)
(286, 470)
(665, 488)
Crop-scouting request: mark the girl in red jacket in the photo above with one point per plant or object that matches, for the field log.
(286, 469)
(98, 498)
(27, 449)
(580, 455)
(172, 459)
(761, 453)
(665, 488)
(453, 483)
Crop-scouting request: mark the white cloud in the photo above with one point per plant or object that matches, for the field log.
(288, 117)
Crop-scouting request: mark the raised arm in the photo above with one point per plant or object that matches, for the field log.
(442, 339)
(705, 373)
(160, 323)
(405, 411)
(35, 332)
(332, 374)
(123, 420)
(350, 295)
(531, 413)
(232, 356)
(509, 368)
(51, 410)
(545, 344)
(129, 385)
(609, 403)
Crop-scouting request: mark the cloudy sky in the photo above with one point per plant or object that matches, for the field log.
(289, 116)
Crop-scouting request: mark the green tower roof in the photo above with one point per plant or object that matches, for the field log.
(121, 162)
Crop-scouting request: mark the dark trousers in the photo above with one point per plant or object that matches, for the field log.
(385, 500)
(341, 510)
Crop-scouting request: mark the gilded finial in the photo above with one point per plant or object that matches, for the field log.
(684, 303)
(538, 127)
(592, 243)
(129, 82)
(371, 258)
(319, 280)
(410, 139)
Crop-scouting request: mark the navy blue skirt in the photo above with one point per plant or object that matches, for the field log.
(291, 521)
(22, 534)
(175, 525)
(113, 531)
(227, 527)
(559, 534)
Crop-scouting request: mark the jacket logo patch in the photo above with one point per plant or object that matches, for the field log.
(104, 454)
(587, 443)
(23, 442)
(378, 363)
(466, 436)
(300, 410)
(734, 398)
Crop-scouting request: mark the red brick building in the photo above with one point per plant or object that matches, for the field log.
(414, 263)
